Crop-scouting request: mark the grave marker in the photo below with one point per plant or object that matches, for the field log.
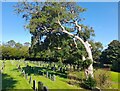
(30, 80)
(34, 84)
(45, 88)
(47, 74)
(53, 78)
(40, 86)
(50, 76)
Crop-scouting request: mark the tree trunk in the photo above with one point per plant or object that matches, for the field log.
(89, 70)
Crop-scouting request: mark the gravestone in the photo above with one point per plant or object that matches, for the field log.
(42, 73)
(26, 76)
(23, 73)
(40, 86)
(34, 84)
(53, 78)
(19, 67)
(30, 80)
(45, 88)
(47, 74)
(73, 67)
(61, 69)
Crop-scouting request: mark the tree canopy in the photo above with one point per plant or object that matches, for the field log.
(13, 50)
(111, 55)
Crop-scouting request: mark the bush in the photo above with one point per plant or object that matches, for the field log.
(90, 83)
(103, 78)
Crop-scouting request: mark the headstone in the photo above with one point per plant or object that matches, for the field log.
(26, 76)
(47, 74)
(42, 73)
(61, 70)
(50, 76)
(30, 80)
(45, 88)
(23, 73)
(76, 67)
(53, 78)
(73, 67)
(19, 67)
(34, 84)
(40, 86)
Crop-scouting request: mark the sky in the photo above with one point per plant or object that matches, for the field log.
(102, 16)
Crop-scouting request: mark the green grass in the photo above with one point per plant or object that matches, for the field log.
(12, 78)
(115, 76)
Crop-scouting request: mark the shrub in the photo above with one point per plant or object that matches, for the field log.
(103, 79)
(90, 83)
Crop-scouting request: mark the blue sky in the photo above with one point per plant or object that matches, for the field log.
(103, 17)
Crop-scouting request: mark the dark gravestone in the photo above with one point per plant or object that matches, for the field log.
(30, 80)
(61, 69)
(45, 88)
(34, 84)
(40, 86)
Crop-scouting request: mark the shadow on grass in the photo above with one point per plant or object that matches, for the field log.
(7, 82)
(37, 70)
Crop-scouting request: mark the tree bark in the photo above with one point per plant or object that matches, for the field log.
(89, 70)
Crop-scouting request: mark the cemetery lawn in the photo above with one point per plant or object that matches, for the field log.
(12, 78)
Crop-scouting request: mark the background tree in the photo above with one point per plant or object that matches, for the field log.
(111, 55)
(27, 44)
(13, 50)
(47, 18)
(11, 43)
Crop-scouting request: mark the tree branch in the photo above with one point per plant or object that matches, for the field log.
(86, 44)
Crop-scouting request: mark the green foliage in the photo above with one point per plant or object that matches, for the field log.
(86, 63)
(48, 41)
(12, 50)
(111, 55)
(97, 48)
(103, 79)
(90, 82)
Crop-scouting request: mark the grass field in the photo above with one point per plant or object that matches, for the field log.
(12, 78)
